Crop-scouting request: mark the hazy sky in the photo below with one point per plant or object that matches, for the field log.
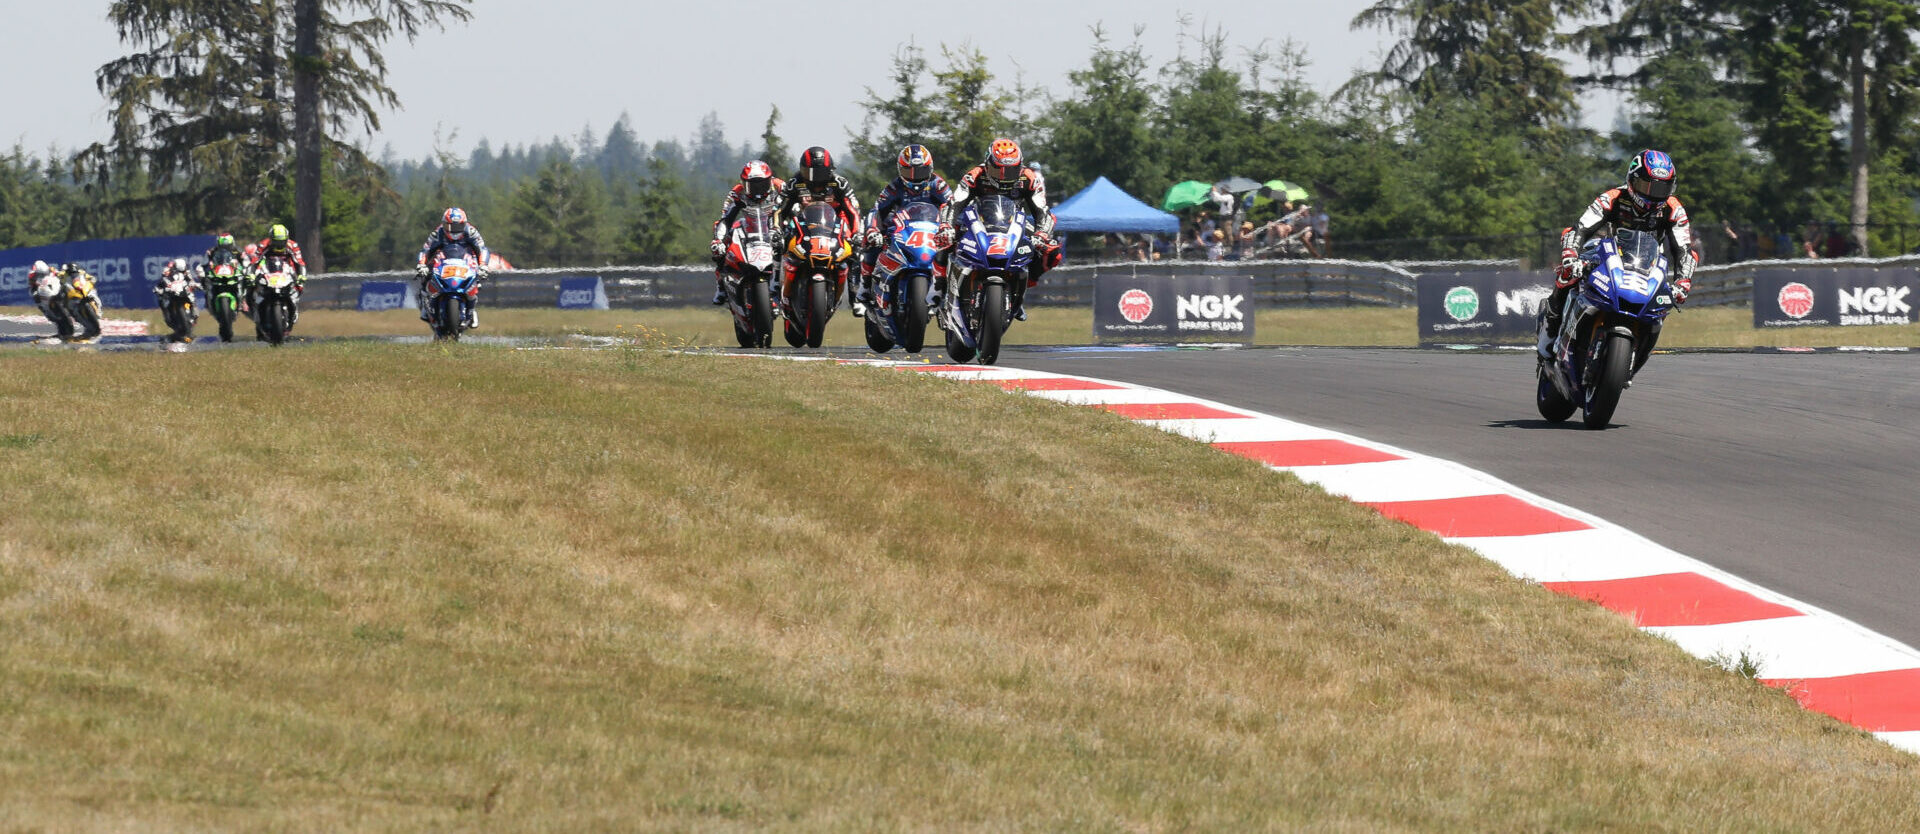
(528, 70)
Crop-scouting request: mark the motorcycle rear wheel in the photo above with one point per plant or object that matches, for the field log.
(1547, 398)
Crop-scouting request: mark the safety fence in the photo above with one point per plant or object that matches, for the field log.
(1282, 283)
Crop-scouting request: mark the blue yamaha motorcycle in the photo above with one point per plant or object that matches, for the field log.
(453, 288)
(1608, 328)
(988, 274)
(901, 276)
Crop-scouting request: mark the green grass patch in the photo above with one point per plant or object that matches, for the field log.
(404, 588)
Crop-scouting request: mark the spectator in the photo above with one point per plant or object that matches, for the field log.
(1216, 245)
(1320, 222)
(1243, 243)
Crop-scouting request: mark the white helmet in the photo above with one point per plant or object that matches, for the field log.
(178, 264)
(39, 268)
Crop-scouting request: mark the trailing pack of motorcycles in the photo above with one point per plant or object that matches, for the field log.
(800, 276)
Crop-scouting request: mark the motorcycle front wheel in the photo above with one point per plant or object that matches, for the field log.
(993, 321)
(760, 314)
(1607, 372)
(913, 326)
(819, 306)
(223, 313)
(451, 317)
(87, 316)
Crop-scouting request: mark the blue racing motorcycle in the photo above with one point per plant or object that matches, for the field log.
(901, 276)
(1608, 328)
(989, 273)
(453, 288)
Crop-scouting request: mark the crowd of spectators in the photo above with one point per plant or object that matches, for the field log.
(1729, 242)
(1297, 231)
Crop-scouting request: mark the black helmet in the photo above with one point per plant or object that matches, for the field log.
(816, 166)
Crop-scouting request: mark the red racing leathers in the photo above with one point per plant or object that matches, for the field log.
(738, 199)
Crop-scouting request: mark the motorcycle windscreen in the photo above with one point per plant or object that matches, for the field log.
(1638, 250)
(915, 213)
(819, 220)
(755, 224)
(996, 212)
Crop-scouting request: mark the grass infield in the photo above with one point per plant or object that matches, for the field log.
(375, 587)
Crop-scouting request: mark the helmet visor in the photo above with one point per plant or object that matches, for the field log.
(1655, 190)
(916, 173)
(759, 187)
(456, 230)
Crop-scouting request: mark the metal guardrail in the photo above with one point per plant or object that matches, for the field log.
(1282, 283)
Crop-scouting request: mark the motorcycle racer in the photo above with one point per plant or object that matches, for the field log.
(1004, 171)
(816, 182)
(277, 244)
(177, 266)
(34, 273)
(453, 229)
(917, 183)
(70, 273)
(758, 187)
(1644, 203)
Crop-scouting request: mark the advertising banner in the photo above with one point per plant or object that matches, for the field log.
(1834, 297)
(1166, 308)
(388, 295)
(124, 269)
(583, 293)
(1480, 307)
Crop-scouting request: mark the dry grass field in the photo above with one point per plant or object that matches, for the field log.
(412, 588)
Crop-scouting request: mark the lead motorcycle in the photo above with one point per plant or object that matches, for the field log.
(453, 288)
(50, 295)
(176, 306)
(277, 293)
(901, 275)
(989, 273)
(748, 274)
(1607, 329)
(815, 271)
(69, 302)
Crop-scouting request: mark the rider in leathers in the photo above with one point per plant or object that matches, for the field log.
(453, 230)
(917, 183)
(1004, 172)
(758, 187)
(817, 182)
(278, 244)
(1645, 203)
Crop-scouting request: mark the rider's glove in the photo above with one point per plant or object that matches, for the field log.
(420, 271)
(944, 237)
(1682, 287)
(718, 248)
(1569, 268)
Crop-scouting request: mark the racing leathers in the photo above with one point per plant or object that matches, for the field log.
(737, 199)
(437, 241)
(897, 195)
(1618, 208)
(836, 193)
(1030, 192)
(285, 250)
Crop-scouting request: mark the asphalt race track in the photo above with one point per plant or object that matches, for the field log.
(1800, 472)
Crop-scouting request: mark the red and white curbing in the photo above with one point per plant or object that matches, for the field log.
(108, 327)
(1827, 663)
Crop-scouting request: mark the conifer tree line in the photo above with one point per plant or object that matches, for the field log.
(1466, 141)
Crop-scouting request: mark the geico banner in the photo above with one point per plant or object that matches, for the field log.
(388, 295)
(1165, 308)
(1479, 307)
(583, 293)
(1834, 297)
(124, 269)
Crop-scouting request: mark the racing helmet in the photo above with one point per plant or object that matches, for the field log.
(1650, 177)
(39, 268)
(177, 264)
(455, 222)
(916, 167)
(1004, 163)
(223, 240)
(757, 176)
(816, 167)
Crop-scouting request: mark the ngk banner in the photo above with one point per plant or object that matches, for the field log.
(1165, 308)
(1480, 307)
(123, 270)
(1829, 297)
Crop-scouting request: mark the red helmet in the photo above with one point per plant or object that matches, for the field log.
(816, 166)
(758, 178)
(1004, 162)
(455, 222)
(916, 164)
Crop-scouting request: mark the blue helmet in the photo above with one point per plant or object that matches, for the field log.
(916, 168)
(1650, 177)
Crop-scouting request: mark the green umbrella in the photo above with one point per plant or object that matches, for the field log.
(1277, 190)
(1186, 195)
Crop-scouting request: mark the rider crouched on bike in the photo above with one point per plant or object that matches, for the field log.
(278, 244)
(454, 230)
(1646, 203)
(177, 266)
(223, 252)
(758, 188)
(917, 183)
(1004, 172)
(816, 182)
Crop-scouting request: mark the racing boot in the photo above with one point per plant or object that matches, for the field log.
(857, 298)
(719, 293)
(1549, 327)
(473, 317)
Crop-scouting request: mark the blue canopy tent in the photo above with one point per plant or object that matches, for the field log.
(1103, 207)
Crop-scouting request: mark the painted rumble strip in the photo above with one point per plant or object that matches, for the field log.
(1828, 663)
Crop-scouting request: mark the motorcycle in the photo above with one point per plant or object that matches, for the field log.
(176, 306)
(988, 275)
(902, 274)
(278, 291)
(748, 273)
(452, 289)
(1607, 328)
(50, 295)
(223, 295)
(815, 274)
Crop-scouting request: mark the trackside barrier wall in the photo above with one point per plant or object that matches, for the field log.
(124, 270)
(1288, 283)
